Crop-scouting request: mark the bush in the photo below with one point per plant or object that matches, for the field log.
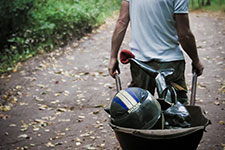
(46, 24)
(212, 5)
(14, 15)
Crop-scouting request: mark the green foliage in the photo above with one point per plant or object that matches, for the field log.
(215, 5)
(13, 14)
(47, 24)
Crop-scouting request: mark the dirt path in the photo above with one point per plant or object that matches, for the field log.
(56, 101)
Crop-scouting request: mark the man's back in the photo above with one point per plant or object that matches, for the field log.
(153, 29)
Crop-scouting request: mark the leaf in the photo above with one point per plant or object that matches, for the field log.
(90, 147)
(12, 125)
(49, 144)
(47, 130)
(96, 112)
(78, 143)
(223, 145)
(99, 106)
(24, 126)
(222, 122)
(23, 104)
(36, 129)
(81, 117)
(5, 108)
(66, 93)
(38, 99)
(61, 109)
(54, 102)
(42, 107)
(23, 136)
(42, 123)
(85, 135)
(108, 85)
(201, 86)
(2, 116)
(217, 103)
(64, 120)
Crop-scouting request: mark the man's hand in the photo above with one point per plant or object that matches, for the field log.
(113, 67)
(198, 68)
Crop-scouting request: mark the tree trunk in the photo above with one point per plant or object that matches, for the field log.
(208, 2)
(203, 2)
(199, 3)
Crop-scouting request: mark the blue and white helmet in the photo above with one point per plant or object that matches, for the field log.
(136, 108)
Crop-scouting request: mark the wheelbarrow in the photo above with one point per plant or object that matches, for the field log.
(162, 139)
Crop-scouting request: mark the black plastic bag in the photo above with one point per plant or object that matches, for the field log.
(176, 115)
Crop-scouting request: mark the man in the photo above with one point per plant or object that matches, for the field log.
(159, 28)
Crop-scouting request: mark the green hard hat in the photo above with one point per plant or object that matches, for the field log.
(136, 108)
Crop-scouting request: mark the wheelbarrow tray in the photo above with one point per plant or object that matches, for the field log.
(182, 138)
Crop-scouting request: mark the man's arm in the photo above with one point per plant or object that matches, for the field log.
(187, 41)
(118, 36)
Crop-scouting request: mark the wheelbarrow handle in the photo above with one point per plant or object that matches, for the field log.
(193, 88)
(118, 83)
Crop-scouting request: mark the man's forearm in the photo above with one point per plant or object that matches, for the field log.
(120, 30)
(189, 45)
(117, 38)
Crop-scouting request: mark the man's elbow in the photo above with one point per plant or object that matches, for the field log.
(122, 22)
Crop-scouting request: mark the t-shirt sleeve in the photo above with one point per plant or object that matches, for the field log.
(181, 6)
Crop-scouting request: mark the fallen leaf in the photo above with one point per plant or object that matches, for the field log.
(47, 130)
(5, 108)
(12, 125)
(42, 106)
(49, 144)
(223, 145)
(38, 99)
(90, 147)
(2, 116)
(222, 122)
(81, 117)
(23, 136)
(23, 104)
(217, 103)
(108, 85)
(99, 106)
(61, 109)
(85, 135)
(36, 129)
(24, 126)
(64, 120)
(54, 102)
(66, 93)
(96, 112)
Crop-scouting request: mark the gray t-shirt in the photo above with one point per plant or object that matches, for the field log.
(153, 31)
